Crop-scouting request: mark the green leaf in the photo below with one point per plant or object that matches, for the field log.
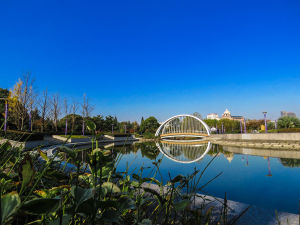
(69, 151)
(41, 206)
(111, 216)
(181, 205)
(9, 205)
(135, 176)
(91, 126)
(146, 179)
(27, 172)
(65, 220)
(125, 203)
(81, 194)
(155, 193)
(43, 155)
(176, 179)
(110, 187)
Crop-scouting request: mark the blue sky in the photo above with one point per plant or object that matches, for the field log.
(141, 58)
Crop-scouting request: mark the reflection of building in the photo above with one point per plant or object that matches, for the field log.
(212, 116)
(290, 114)
(227, 115)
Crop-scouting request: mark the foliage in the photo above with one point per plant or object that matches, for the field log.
(288, 122)
(284, 130)
(21, 135)
(149, 125)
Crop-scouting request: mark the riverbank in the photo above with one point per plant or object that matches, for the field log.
(278, 141)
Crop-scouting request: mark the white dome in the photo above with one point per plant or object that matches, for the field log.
(227, 111)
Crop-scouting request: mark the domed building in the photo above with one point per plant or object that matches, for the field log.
(227, 115)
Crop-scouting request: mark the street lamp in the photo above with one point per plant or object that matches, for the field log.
(5, 114)
(265, 117)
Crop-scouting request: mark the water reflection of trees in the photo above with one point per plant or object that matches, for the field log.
(290, 162)
(148, 149)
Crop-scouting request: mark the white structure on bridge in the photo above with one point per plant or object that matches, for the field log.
(183, 126)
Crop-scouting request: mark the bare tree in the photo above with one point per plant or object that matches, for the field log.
(22, 99)
(55, 110)
(44, 107)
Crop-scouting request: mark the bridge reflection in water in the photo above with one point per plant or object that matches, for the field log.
(184, 151)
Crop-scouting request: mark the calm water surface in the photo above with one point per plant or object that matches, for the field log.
(269, 182)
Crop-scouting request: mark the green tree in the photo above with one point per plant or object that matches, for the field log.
(149, 125)
(110, 122)
(77, 126)
(100, 123)
(288, 122)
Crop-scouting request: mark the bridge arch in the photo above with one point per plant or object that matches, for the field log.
(187, 129)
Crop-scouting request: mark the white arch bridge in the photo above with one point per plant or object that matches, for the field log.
(182, 126)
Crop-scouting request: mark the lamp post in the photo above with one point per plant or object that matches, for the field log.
(275, 124)
(245, 128)
(265, 118)
(222, 128)
(5, 113)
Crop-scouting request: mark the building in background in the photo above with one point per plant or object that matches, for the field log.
(290, 114)
(227, 115)
(213, 116)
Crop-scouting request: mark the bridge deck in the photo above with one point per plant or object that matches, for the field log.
(185, 134)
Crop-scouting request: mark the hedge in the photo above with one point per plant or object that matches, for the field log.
(283, 130)
(21, 135)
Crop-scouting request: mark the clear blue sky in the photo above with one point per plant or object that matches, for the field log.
(141, 58)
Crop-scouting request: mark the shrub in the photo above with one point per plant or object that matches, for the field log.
(283, 130)
(120, 135)
(21, 135)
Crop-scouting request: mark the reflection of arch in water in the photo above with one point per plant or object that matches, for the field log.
(184, 152)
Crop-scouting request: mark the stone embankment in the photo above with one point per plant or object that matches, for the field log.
(255, 215)
(285, 141)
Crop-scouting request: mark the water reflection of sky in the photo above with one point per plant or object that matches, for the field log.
(244, 177)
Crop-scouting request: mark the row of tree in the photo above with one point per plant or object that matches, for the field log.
(233, 126)
(29, 111)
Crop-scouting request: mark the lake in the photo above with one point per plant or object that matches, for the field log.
(265, 181)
